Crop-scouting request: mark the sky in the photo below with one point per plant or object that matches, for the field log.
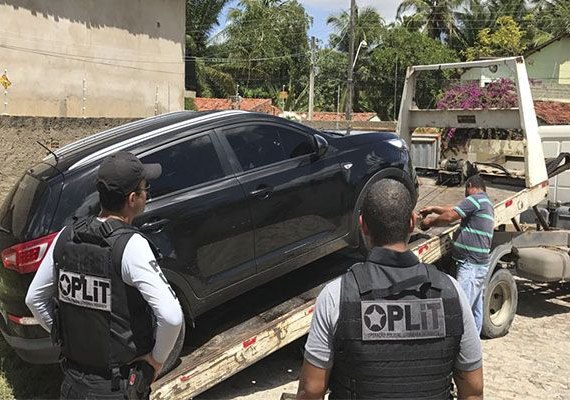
(321, 9)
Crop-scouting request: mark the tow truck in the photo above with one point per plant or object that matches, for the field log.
(533, 254)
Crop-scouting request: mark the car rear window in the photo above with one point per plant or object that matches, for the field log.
(25, 210)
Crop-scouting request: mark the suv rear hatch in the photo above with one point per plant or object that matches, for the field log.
(25, 222)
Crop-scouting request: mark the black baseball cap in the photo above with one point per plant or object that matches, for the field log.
(122, 172)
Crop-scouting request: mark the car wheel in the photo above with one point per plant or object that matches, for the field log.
(499, 304)
(174, 355)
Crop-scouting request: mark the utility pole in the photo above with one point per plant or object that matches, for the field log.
(312, 79)
(350, 83)
(395, 87)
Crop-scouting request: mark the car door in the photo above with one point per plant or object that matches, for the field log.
(294, 197)
(198, 214)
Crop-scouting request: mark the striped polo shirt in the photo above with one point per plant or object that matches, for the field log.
(472, 241)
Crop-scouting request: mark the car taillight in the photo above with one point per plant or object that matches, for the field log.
(27, 257)
(23, 320)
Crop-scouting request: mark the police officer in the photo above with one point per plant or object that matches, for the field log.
(391, 327)
(101, 293)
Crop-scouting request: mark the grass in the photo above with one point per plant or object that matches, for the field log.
(20, 380)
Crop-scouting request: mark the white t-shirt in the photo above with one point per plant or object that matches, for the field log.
(140, 270)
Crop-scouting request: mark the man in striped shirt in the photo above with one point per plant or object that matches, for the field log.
(471, 242)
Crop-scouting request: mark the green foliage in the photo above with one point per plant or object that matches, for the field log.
(401, 49)
(332, 66)
(553, 16)
(436, 17)
(201, 19)
(369, 27)
(505, 40)
(189, 104)
(268, 44)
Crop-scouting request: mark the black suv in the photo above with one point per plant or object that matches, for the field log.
(243, 198)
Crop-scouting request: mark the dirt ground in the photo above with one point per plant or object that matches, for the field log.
(531, 362)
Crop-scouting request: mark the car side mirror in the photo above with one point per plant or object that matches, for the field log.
(322, 145)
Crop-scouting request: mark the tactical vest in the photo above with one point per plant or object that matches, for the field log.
(400, 341)
(101, 323)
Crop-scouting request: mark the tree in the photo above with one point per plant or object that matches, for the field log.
(369, 26)
(400, 49)
(201, 19)
(436, 16)
(477, 16)
(553, 16)
(267, 41)
(506, 40)
(331, 65)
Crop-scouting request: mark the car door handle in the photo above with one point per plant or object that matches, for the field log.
(263, 192)
(154, 225)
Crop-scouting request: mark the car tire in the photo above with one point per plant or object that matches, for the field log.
(174, 355)
(499, 304)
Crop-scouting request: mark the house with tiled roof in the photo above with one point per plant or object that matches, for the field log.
(236, 103)
(324, 116)
(552, 112)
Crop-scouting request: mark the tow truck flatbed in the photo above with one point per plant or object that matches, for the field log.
(232, 348)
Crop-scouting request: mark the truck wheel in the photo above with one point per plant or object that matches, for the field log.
(174, 355)
(499, 304)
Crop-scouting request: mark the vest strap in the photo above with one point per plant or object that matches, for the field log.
(365, 282)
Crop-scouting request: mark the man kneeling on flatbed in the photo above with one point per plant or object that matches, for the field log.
(471, 242)
(391, 327)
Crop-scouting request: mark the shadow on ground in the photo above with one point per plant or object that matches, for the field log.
(21, 380)
(538, 300)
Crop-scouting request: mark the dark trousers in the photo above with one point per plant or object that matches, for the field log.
(79, 385)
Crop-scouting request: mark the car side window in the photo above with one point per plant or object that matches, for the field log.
(296, 144)
(255, 145)
(185, 164)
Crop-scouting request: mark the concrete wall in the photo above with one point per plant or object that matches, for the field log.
(92, 58)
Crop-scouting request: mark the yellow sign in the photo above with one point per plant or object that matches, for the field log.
(283, 95)
(4, 81)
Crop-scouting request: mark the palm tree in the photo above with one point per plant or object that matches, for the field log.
(436, 16)
(201, 19)
(369, 26)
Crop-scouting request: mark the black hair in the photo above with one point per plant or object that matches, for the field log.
(386, 210)
(477, 182)
(111, 201)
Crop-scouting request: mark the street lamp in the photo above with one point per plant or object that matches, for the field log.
(350, 82)
(362, 44)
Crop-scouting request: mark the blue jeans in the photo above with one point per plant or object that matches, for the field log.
(471, 278)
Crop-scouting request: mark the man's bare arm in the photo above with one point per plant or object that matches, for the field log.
(313, 382)
(447, 217)
(469, 384)
(435, 210)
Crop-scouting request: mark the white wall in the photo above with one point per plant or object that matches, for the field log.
(92, 58)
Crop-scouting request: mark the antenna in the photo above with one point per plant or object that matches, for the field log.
(49, 150)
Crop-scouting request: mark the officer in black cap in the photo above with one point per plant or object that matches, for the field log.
(101, 293)
(391, 327)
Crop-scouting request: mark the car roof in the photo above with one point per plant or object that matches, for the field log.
(93, 148)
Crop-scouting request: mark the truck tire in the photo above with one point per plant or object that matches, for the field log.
(499, 304)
